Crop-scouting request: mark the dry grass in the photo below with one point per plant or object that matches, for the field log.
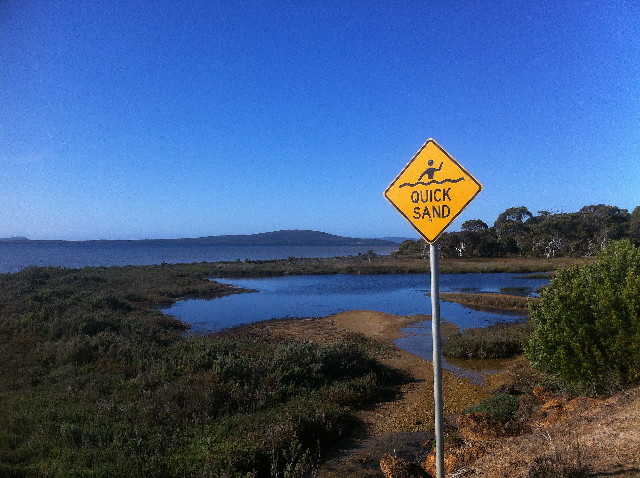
(586, 437)
(509, 264)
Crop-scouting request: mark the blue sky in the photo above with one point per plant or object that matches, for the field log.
(161, 119)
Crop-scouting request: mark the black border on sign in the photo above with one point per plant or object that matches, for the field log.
(431, 140)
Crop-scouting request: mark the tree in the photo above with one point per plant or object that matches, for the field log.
(634, 226)
(553, 235)
(474, 225)
(418, 248)
(514, 214)
(511, 229)
(588, 322)
(605, 223)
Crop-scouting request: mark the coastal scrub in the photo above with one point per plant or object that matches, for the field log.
(96, 381)
(587, 331)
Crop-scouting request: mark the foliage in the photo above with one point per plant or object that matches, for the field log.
(95, 381)
(588, 322)
(474, 225)
(413, 248)
(518, 232)
(499, 341)
(501, 407)
(634, 226)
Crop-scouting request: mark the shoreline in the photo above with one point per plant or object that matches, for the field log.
(106, 343)
(124, 326)
(403, 422)
(402, 426)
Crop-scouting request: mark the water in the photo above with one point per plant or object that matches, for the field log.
(314, 296)
(15, 257)
(299, 296)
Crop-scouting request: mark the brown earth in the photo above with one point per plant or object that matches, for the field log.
(601, 437)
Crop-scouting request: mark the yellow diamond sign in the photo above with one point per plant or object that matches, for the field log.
(432, 190)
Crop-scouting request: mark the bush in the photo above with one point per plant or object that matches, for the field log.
(588, 323)
(500, 407)
(498, 341)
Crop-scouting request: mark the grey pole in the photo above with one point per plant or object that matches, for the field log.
(437, 355)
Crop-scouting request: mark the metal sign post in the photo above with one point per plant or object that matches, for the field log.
(437, 356)
(430, 192)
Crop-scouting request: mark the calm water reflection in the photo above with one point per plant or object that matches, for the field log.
(315, 296)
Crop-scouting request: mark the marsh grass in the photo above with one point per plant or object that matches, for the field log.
(388, 264)
(95, 381)
(490, 301)
(498, 341)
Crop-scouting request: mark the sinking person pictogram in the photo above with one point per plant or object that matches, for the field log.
(430, 172)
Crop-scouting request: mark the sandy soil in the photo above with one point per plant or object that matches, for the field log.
(602, 435)
(570, 437)
(399, 426)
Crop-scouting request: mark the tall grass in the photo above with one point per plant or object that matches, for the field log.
(498, 341)
(390, 264)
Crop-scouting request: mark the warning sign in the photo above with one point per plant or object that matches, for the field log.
(432, 190)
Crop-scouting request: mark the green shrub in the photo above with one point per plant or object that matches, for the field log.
(498, 341)
(500, 407)
(588, 323)
(93, 383)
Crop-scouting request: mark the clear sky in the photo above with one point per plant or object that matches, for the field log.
(128, 119)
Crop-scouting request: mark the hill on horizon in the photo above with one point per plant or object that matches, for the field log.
(290, 237)
(287, 237)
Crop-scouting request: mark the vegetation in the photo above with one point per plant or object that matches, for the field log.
(498, 341)
(518, 232)
(371, 263)
(501, 407)
(587, 331)
(566, 462)
(95, 381)
(489, 300)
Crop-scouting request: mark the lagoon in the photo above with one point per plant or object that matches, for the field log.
(320, 295)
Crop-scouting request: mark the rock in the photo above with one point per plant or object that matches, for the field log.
(479, 427)
(401, 468)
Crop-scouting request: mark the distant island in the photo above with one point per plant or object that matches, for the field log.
(291, 237)
(14, 239)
